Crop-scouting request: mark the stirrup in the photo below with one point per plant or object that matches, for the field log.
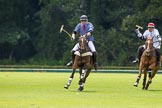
(69, 63)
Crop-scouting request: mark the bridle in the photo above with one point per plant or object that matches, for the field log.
(149, 46)
(82, 44)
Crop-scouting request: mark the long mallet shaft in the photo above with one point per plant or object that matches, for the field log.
(139, 27)
(62, 29)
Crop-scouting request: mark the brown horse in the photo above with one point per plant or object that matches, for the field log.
(147, 64)
(83, 60)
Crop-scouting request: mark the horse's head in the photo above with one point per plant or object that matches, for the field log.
(149, 46)
(82, 43)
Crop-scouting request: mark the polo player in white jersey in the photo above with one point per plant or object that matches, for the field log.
(151, 32)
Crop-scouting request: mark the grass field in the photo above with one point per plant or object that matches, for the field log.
(102, 90)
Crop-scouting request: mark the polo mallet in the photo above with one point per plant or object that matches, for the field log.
(139, 27)
(62, 29)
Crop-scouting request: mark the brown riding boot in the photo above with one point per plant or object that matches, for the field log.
(158, 57)
(72, 61)
(139, 54)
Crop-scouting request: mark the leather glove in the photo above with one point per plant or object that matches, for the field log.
(83, 35)
(73, 37)
(88, 34)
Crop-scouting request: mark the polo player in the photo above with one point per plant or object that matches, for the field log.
(149, 33)
(84, 28)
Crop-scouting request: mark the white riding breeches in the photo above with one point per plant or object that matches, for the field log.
(90, 44)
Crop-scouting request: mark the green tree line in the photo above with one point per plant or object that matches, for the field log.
(29, 29)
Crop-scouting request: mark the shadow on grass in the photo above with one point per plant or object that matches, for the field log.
(86, 91)
(156, 90)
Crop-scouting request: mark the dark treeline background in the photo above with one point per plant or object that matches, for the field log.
(29, 29)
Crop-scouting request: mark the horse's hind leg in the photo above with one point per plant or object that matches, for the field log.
(150, 79)
(70, 79)
(148, 83)
(151, 75)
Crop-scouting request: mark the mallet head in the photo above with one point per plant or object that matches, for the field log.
(139, 27)
(62, 27)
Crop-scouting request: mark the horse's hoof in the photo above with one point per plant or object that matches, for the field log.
(80, 89)
(150, 81)
(135, 84)
(146, 88)
(143, 88)
(66, 86)
(80, 82)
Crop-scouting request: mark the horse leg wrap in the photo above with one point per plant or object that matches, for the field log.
(82, 74)
(138, 78)
(82, 85)
(137, 81)
(149, 81)
(70, 80)
(149, 72)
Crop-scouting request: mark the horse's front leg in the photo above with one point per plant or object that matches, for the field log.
(144, 79)
(139, 75)
(70, 79)
(74, 67)
(150, 79)
(81, 72)
(84, 80)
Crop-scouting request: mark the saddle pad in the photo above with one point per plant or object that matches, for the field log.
(84, 54)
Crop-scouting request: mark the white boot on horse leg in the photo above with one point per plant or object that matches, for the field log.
(136, 84)
(148, 83)
(68, 83)
(82, 76)
(137, 81)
